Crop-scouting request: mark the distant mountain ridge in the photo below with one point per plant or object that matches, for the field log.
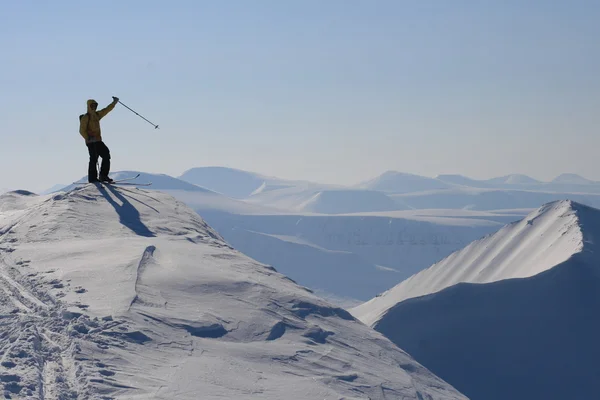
(235, 183)
(399, 182)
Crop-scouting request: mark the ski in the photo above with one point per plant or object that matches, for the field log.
(127, 183)
(124, 179)
(117, 181)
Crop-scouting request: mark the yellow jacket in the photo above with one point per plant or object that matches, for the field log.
(89, 123)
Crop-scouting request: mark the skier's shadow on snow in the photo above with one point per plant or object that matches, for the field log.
(128, 214)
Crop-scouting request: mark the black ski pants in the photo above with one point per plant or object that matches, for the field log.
(98, 149)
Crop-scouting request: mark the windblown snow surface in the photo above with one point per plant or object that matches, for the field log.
(518, 310)
(117, 293)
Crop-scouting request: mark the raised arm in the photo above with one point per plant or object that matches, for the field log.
(108, 108)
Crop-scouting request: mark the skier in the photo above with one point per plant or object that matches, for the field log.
(89, 128)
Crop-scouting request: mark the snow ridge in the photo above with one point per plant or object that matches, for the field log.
(109, 293)
(533, 311)
(545, 238)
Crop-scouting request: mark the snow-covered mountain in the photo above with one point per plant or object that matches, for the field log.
(124, 293)
(234, 183)
(320, 200)
(313, 197)
(398, 182)
(513, 179)
(507, 181)
(572, 179)
(350, 201)
(564, 183)
(493, 199)
(460, 180)
(518, 308)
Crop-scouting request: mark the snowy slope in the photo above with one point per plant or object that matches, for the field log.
(543, 239)
(353, 256)
(518, 339)
(124, 293)
(518, 309)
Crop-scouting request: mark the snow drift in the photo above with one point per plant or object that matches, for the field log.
(123, 293)
(517, 308)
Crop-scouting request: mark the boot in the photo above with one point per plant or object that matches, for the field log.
(106, 179)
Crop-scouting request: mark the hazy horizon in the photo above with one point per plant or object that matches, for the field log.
(68, 181)
(330, 92)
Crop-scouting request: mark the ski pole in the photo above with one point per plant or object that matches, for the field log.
(155, 126)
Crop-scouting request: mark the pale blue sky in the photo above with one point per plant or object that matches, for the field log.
(325, 90)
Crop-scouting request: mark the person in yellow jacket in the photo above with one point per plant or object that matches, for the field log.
(89, 128)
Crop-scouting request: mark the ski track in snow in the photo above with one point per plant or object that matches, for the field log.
(41, 340)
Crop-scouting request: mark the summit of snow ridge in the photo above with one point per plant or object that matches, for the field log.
(545, 238)
(159, 182)
(118, 292)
